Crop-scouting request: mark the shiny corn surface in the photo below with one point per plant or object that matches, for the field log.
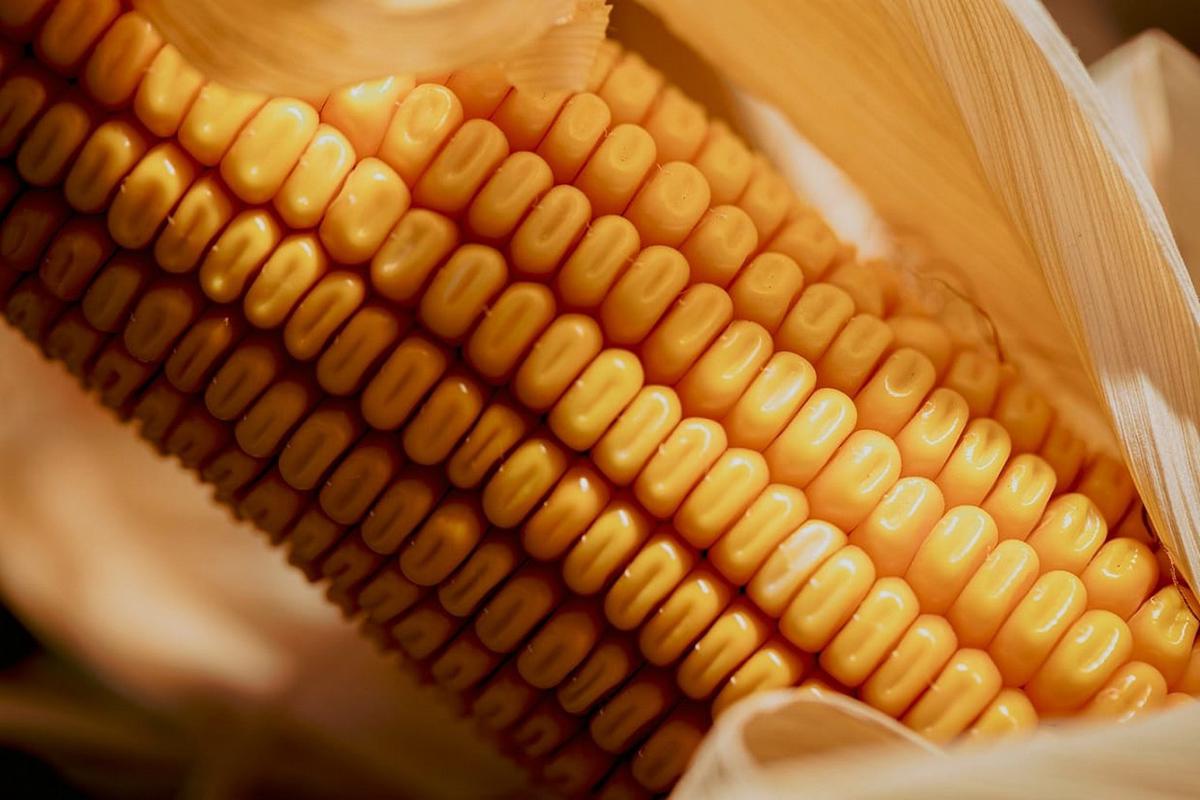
(569, 400)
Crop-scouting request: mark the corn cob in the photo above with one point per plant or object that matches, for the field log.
(569, 400)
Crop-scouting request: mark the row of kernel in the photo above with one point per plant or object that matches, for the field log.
(131, 26)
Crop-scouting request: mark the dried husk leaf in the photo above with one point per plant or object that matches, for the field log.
(822, 752)
(1151, 88)
(307, 47)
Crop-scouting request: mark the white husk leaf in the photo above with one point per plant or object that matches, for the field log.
(307, 47)
(1151, 88)
(818, 751)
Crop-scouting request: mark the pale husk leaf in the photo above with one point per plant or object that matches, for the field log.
(307, 47)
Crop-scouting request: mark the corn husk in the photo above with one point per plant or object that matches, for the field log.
(1151, 89)
(305, 48)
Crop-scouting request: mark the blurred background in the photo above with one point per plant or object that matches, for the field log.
(208, 668)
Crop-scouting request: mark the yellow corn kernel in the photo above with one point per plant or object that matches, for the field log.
(878, 623)
(522, 480)
(614, 172)
(525, 600)
(575, 767)
(792, 563)
(1042, 617)
(214, 120)
(701, 313)
(926, 442)
(770, 402)
(461, 289)
(716, 381)
(410, 371)
(853, 354)
(71, 29)
(855, 479)
(555, 224)
(508, 195)
(609, 663)
(993, 592)
(669, 204)
(1107, 483)
(678, 465)
(525, 116)
(371, 201)
(654, 572)
(686, 614)
(643, 294)
(289, 273)
(48, 150)
(965, 687)
(1020, 496)
(955, 549)
(239, 251)
(358, 480)
(106, 158)
(1070, 533)
(828, 599)
(305, 195)
(596, 398)
(1025, 414)
(499, 428)
(777, 511)
(775, 665)
(605, 547)
(730, 485)
(890, 398)
(598, 260)
(899, 523)
(1120, 576)
(438, 547)
(400, 510)
(1164, 631)
(563, 350)
(1096, 645)
(1132, 690)
(911, 666)
(975, 465)
(560, 646)
(203, 211)
(1009, 715)
(73, 258)
(736, 635)
(574, 503)
(719, 245)
(445, 417)
(424, 120)
(364, 110)
(120, 59)
(631, 711)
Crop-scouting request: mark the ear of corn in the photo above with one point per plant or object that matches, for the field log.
(569, 400)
